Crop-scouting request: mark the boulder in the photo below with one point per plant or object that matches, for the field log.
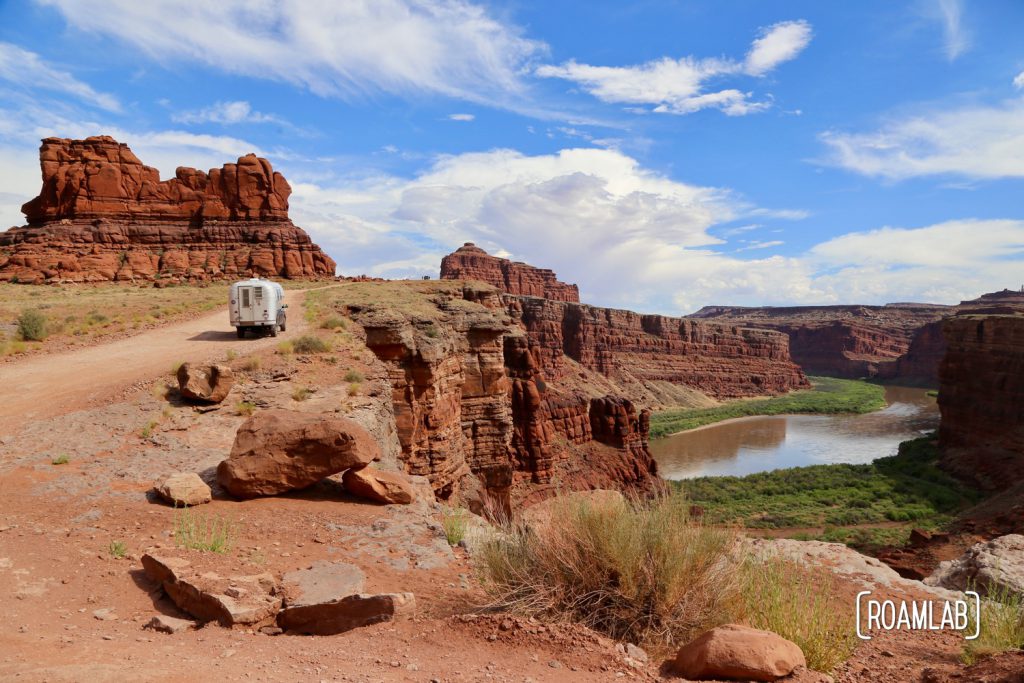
(996, 565)
(184, 489)
(735, 652)
(346, 613)
(206, 383)
(382, 487)
(230, 601)
(282, 450)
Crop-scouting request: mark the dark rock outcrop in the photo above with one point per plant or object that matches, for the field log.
(103, 215)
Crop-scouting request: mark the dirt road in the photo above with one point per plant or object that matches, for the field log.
(48, 385)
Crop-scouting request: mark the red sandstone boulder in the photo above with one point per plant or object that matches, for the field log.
(382, 487)
(734, 652)
(282, 450)
(206, 383)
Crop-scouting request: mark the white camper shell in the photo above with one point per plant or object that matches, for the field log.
(257, 305)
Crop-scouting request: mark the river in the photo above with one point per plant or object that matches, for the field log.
(758, 444)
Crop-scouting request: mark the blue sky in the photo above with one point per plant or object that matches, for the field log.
(663, 155)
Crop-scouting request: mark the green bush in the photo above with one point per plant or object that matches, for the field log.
(32, 325)
(310, 344)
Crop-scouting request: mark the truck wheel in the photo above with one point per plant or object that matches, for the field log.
(241, 332)
(273, 330)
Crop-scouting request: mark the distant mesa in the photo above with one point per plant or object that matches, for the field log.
(103, 215)
(470, 262)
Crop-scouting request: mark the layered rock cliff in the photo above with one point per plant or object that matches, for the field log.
(475, 412)
(103, 215)
(470, 262)
(981, 397)
(851, 341)
(654, 360)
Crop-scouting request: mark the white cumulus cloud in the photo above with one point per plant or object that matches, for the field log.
(680, 86)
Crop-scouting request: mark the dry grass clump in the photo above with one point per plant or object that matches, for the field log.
(197, 531)
(1002, 625)
(646, 572)
(798, 603)
(640, 572)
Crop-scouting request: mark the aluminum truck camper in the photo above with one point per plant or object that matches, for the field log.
(257, 306)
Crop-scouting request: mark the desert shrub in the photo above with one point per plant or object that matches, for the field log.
(32, 325)
(61, 459)
(310, 344)
(117, 549)
(245, 408)
(453, 522)
(251, 364)
(334, 323)
(231, 355)
(147, 429)
(640, 572)
(302, 394)
(196, 531)
(285, 348)
(354, 388)
(354, 376)
(1002, 625)
(799, 604)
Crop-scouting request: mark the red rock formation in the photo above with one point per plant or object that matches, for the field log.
(981, 397)
(103, 215)
(849, 341)
(920, 364)
(722, 361)
(470, 262)
(474, 411)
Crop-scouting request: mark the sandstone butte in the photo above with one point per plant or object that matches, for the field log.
(902, 341)
(103, 215)
(470, 262)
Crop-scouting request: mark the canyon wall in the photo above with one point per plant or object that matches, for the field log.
(476, 415)
(892, 341)
(103, 215)
(470, 262)
(647, 352)
(981, 397)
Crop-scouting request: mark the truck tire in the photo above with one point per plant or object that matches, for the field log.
(241, 332)
(273, 330)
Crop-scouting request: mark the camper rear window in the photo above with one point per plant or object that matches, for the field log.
(245, 298)
(259, 295)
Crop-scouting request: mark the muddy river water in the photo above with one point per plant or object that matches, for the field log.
(758, 444)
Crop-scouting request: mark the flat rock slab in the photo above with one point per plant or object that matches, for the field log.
(230, 601)
(184, 489)
(323, 582)
(991, 566)
(342, 615)
(166, 624)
